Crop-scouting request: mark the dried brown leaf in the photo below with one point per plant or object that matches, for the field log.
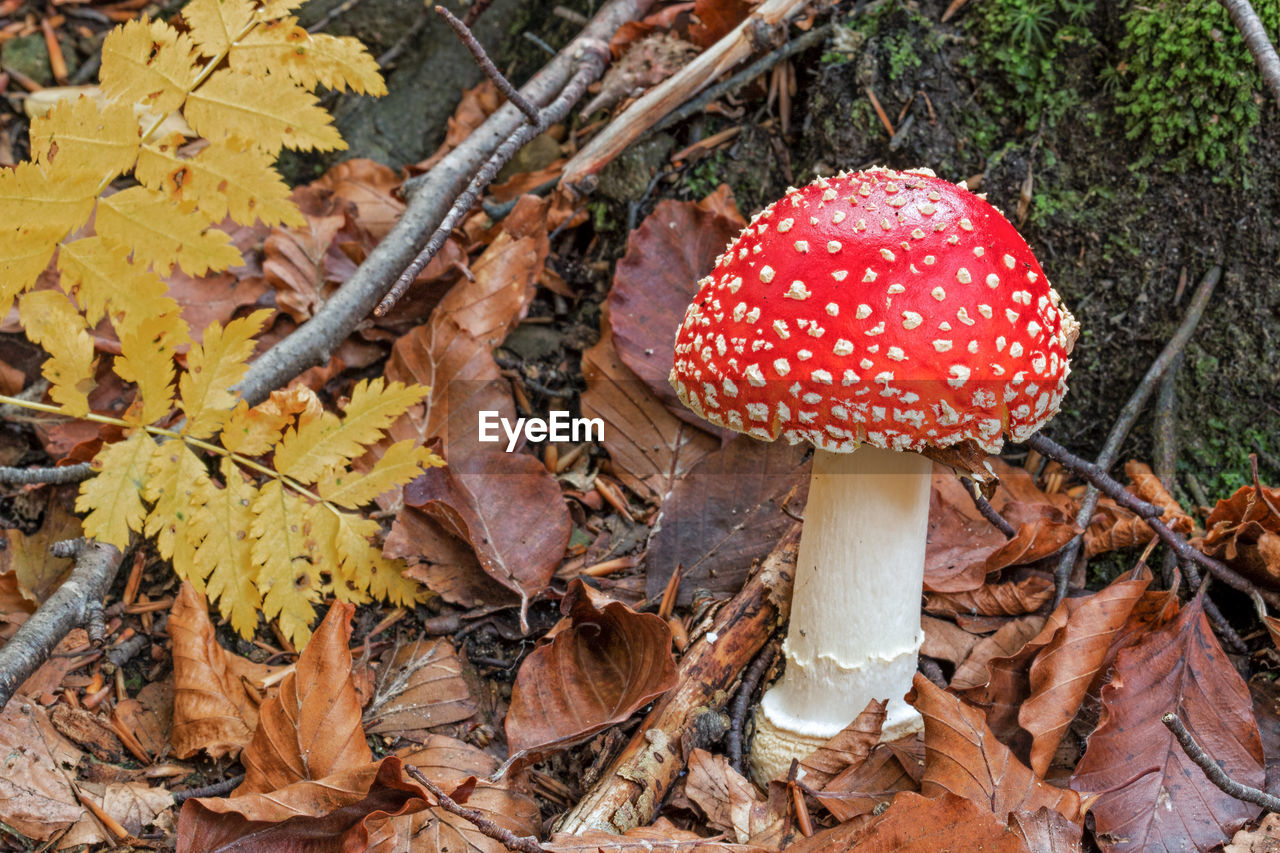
(508, 507)
(946, 640)
(1046, 831)
(608, 663)
(434, 830)
(149, 716)
(1153, 798)
(1114, 528)
(36, 797)
(963, 757)
(730, 802)
(1264, 839)
(212, 710)
(1244, 531)
(651, 449)
(371, 187)
(311, 728)
(724, 515)
(849, 748)
(1005, 642)
(863, 789)
(1011, 598)
(443, 563)
(37, 571)
(653, 283)
(448, 761)
(419, 686)
(1147, 486)
(645, 839)
(918, 824)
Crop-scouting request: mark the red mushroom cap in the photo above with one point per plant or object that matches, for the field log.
(889, 308)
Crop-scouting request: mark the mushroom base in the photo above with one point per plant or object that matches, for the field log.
(781, 736)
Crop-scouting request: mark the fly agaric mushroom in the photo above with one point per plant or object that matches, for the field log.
(892, 314)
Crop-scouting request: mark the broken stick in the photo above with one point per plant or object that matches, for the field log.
(630, 791)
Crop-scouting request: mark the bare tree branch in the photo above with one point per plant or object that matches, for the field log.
(1216, 774)
(53, 476)
(464, 34)
(505, 837)
(69, 606)
(1255, 38)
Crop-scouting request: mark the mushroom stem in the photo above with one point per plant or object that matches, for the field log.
(855, 613)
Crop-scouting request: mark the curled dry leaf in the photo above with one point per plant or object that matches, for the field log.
(1073, 647)
(212, 709)
(508, 507)
(1114, 528)
(443, 564)
(371, 187)
(849, 748)
(37, 571)
(674, 247)
(311, 728)
(1244, 530)
(963, 757)
(1007, 641)
(36, 797)
(1147, 486)
(134, 806)
(419, 686)
(149, 716)
(448, 761)
(599, 671)
(917, 824)
(1012, 598)
(865, 789)
(730, 802)
(724, 515)
(651, 448)
(946, 640)
(1153, 797)
(434, 830)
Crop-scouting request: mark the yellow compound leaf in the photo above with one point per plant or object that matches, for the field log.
(285, 578)
(400, 464)
(273, 9)
(216, 24)
(53, 198)
(102, 140)
(103, 277)
(24, 253)
(270, 113)
(213, 366)
(146, 355)
(162, 233)
(226, 178)
(178, 485)
(322, 535)
(224, 559)
(148, 62)
(113, 499)
(329, 442)
(364, 564)
(53, 322)
(309, 59)
(254, 431)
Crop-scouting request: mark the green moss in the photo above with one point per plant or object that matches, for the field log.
(1186, 86)
(1029, 47)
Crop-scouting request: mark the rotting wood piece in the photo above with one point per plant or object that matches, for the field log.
(629, 792)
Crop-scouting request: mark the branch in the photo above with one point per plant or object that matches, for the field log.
(71, 605)
(1216, 774)
(464, 34)
(429, 201)
(1151, 513)
(1255, 38)
(505, 837)
(1128, 416)
(989, 512)
(742, 703)
(54, 476)
(579, 173)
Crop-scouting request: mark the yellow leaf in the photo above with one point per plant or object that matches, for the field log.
(216, 24)
(103, 275)
(365, 565)
(99, 139)
(178, 485)
(148, 62)
(113, 498)
(268, 113)
(273, 9)
(58, 198)
(254, 431)
(288, 588)
(53, 322)
(213, 366)
(229, 177)
(309, 59)
(161, 232)
(400, 464)
(24, 253)
(322, 535)
(327, 442)
(146, 359)
(224, 559)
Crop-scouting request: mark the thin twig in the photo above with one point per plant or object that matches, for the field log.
(1255, 38)
(477, 9)
(1128, 416)
(95, 568)
(216, 789)
(429, 199)
(1216, 774)
(742, 702)
(505, 837)
(1151, 513)
(53, 476)
(553, 113)
(989, 512)
(464, 34)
